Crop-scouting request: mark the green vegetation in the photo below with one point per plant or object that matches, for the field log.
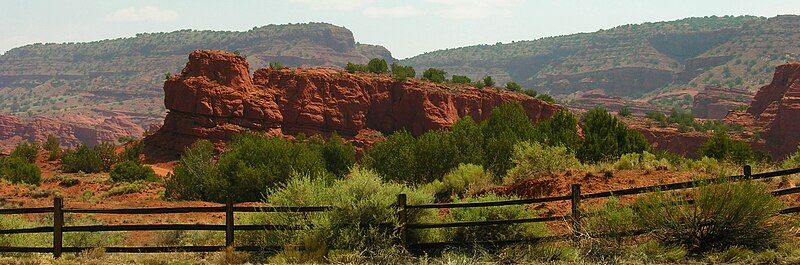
(606, 138)
(195, 171)
(276, 66)
(27, 151)
(534, 159)
(377, 66)
(355, 68)
(546, 98)
(53, 147)
(488, 81)
(722, 216)
(401, 73)
(130, 171)
(497, 232)
(721, 147)
(435, 75)
(460, 79)
(624, 111)
(511, 86)
(82, 159)
(19, 170)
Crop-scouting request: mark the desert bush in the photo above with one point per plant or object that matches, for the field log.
(606, 138)
(546, 98)
(19, 170)
(532, 159)
(52, 146)
(196, 176)
(435, 75)
(611, 218)
(132, 152)
(130, 171)
(466, 180)
(722, 215)
(124, 188)
(654, 252)
(81, 159)
(339, 155)
(107, 154)
(658, 117)
(275, 65)
(394, 158)
(377, 66)
(361, 210)
(507, 125)
(488, 81)
(253, 163)
(355, 68)
(497, 232)
(721, 147)
(645, 160)
(559, 130)
(512, 86)
(624, 111)
(793, 161)
(26, 150)
(401, 73)
(530, 92)
(460, 79)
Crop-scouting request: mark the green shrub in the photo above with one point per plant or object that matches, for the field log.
(394, 158)
(125, 188)
(82, 159)
(466, 180)
(434, 75)
(339, 155)
(793, 161)
(722, 215)
(355, 68)
(495, 232)
(721, 147)
(530, 92)
(532, 159)
(361, 210)
(610, 218)
(275, 65)
(130, 171)
(606, 138)
(658, 117)
(26, 150)
(546, 98)
(253, 163)
(488, 81)
(107, 154)
(479, 84)
(401, 73)
(559, 130)
(460, 79)
(624, 111)
(53, 146)
(645, 160)
(132, 152)
(196, 176)
(507, 125)
(19, 170)
(377, 66)
(511, 86)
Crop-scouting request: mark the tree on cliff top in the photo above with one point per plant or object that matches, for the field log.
(377, 66)
(435, 75)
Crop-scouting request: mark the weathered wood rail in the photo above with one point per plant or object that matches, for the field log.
(58, 210)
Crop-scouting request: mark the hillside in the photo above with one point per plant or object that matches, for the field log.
(635, 60)
(96, 78)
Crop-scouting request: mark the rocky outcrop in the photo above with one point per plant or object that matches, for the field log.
(214, 97)
(776, 108)
(70, 130)
(714, 102)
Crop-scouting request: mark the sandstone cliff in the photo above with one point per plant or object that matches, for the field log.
(71, 130)
(714, 102)
(214, 97)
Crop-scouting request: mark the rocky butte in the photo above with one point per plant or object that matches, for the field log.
(215, 97)
(776, 110)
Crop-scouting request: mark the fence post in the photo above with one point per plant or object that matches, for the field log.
(402, 219)
(229, 223)
(576, 212)
(58, 223)
(748, 171)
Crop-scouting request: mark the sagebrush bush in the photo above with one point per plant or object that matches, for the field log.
(533, 159)
(495, 232)
(82, 159)
(466, 180)
(605, 225)
(130, 171)
(722, 215)
(793, 161)
(645, 160)
(26, 150)
(362, 218)
(19, 170)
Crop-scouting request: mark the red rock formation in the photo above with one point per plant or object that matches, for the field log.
(70, 130)
(714, 102)
(776, 107)
(214, 97)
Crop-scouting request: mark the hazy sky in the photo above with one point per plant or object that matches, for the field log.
(406, 28)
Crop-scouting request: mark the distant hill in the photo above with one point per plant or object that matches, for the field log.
(635, 60)
(127, 74)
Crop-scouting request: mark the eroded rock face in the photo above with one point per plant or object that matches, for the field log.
(71, 130)
(714, 102)
(776, 107)
(214, 98)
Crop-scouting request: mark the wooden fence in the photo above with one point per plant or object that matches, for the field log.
(402, 207)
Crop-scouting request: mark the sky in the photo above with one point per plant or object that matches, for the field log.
(406, 28)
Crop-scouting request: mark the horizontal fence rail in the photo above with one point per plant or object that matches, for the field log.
(402, 225)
